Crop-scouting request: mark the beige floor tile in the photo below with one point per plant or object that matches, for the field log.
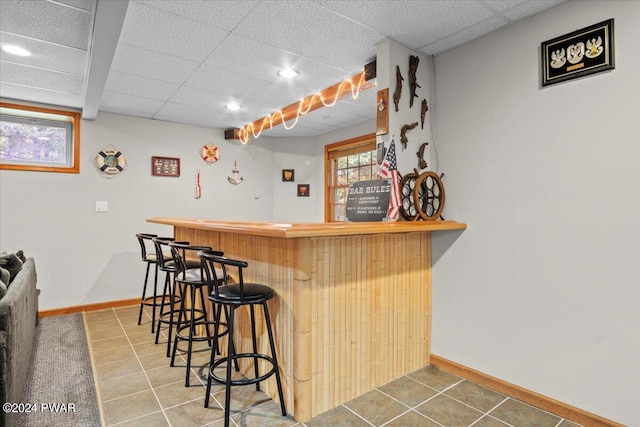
(337, 417)
(108, 344)
(268, 414)
(154, 360)
(520, 414)
(412, 419)
(98, 325)
(157, 419)
(130, 407)
(123, 386)
(165, 375)
(489, 421)
(121, 368)
(475, 395)
(102, 334)
(376, 407)
(193, 414)
(434, 377)
(177, 394)
(113, 355)
(408, 391)
(449, 412)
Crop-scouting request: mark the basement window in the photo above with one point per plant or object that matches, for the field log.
(39, 139)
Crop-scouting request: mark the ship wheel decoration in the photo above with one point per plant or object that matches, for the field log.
(428, 196)
(407, 207)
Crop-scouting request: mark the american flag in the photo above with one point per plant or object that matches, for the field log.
(389, 170)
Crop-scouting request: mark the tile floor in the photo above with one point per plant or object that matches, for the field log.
(137, 387)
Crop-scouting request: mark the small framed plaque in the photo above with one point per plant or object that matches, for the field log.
(165, 166)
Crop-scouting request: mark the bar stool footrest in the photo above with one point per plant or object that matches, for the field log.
(245, 381)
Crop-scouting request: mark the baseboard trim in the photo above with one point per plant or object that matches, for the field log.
(88, 307)
(531, 397)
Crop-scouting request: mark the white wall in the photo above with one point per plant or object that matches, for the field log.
(84, 257)
(542, 289)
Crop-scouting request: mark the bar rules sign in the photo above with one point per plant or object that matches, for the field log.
(368, 200)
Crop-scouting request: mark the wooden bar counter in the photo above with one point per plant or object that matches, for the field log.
(353, 305)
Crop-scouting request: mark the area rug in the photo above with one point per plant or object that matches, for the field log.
(60, 384)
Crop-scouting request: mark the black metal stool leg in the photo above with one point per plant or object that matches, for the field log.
(175, 341)
(230, 356)
(276, 366)
(144, 292)
(164, 294)
(155, 299)
(172, 306)
(255, 344)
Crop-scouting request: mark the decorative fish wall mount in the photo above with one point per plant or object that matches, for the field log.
(403, 133)
(398, 93)
(413, 84)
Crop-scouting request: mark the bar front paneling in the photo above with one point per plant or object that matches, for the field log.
(352, 312)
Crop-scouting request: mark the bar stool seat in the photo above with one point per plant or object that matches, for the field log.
(232, 296)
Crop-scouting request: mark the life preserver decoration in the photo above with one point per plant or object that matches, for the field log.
(110, 161)
(210, 153)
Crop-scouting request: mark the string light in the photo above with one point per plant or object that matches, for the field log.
(245, 132)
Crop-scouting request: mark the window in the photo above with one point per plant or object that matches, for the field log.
(39, 139)
(347, 162)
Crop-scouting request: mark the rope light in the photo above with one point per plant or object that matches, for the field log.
(304, 106)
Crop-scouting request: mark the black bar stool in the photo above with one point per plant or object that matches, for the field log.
(193, 280)
(168, 312)
(234, 295)
(149, 258)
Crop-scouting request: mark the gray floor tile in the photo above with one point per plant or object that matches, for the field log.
(449, 412)
(517, 413)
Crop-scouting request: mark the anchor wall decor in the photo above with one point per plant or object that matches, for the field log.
(236, 178)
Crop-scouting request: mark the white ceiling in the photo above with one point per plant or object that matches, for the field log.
(183, 61)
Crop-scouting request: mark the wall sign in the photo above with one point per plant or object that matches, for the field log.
(580, 53)
(368, 200)
(165, 166)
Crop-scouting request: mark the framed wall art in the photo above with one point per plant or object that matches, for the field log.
(303, 190)
(288, 175)
(165, 166)
(580, 53)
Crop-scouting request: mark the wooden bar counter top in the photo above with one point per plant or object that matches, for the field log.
(353, 305)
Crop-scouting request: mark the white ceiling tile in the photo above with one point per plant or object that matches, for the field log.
(305, 28)
(34, 19)
(223, 14)
(45, 55)
(413, 23)
(203, 99)
(464, 36)
(154, 65)
(501, 5)
(41, 96)
(237, 85)
(87, 5)
(530, 8)
(115, 110)
(129, 102)
(41, 78)
(263, 61)
(140, 86)
(161, 31)
(186, 114)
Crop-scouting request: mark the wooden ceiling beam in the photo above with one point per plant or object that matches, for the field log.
(361, 81)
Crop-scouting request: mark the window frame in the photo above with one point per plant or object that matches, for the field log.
(40, 113)
(355, 145)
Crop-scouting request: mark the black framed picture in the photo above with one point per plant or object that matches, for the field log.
(586, 51)
(303, 190)
(288, 175)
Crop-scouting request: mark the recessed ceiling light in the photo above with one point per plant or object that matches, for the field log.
(288, 73)
(233, 107)
(15, 50)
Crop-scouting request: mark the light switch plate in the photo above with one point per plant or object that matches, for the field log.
(102, 206)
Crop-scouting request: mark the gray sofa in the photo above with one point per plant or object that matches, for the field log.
(18, 319)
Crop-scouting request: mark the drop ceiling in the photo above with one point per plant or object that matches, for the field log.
(183, 61)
